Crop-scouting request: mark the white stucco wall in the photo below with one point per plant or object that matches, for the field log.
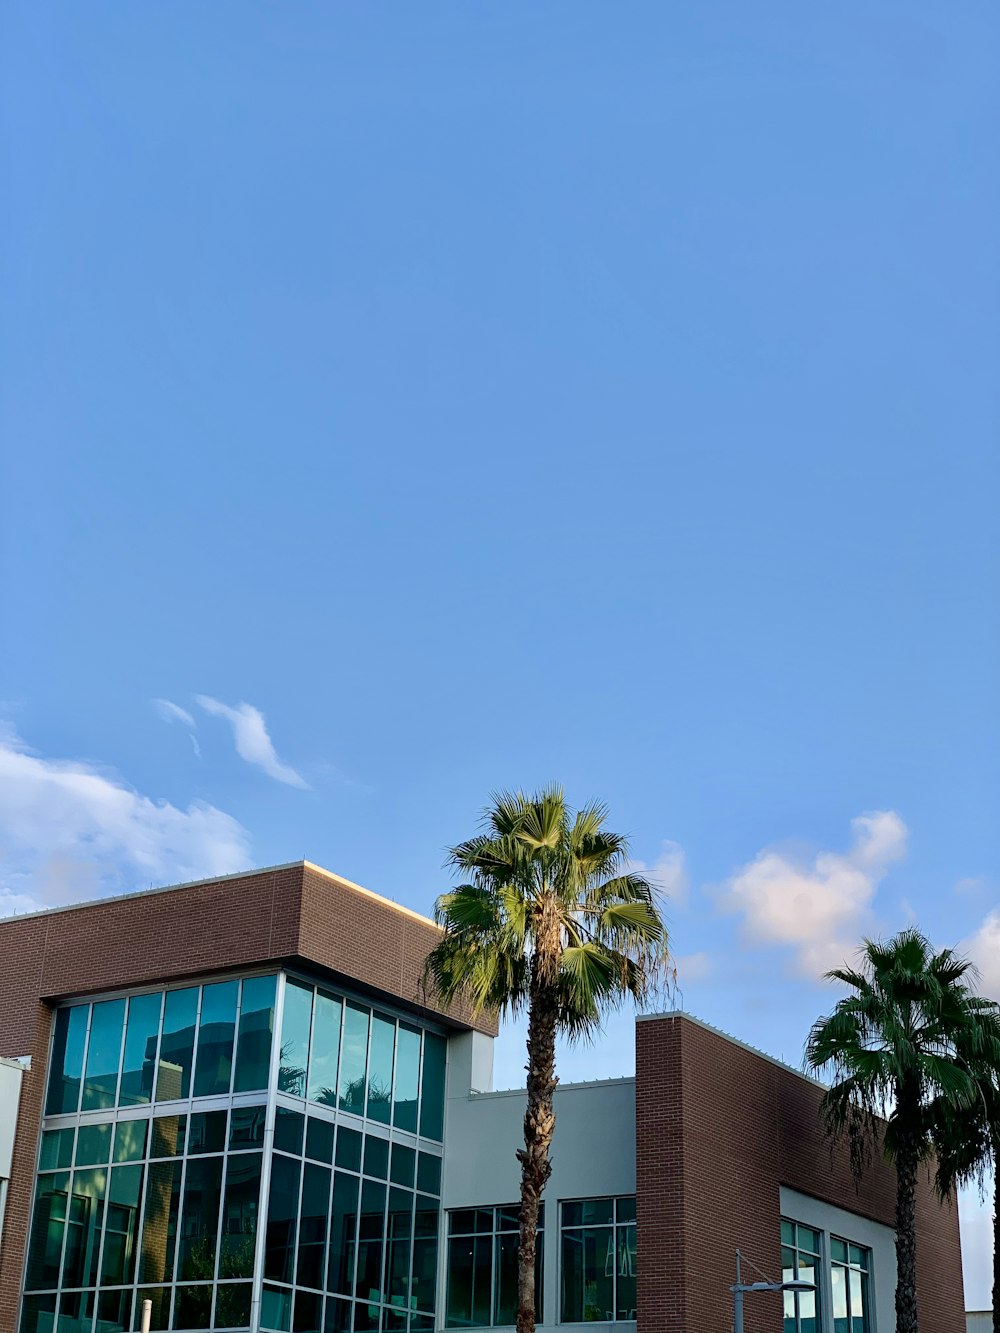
(593, 1153)
(10, 1094)
(881, 1240)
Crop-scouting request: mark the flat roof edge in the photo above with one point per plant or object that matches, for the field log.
(734, 1041)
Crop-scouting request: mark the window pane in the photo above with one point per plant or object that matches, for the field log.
(93, 1145)
(399, 1233)
(141, 1031)
(339, 1316)
(343, 1227)
(239, 1215)
(308, 1312)
(83, 1236)
(246, 1126)
(383, 1041)
(376, 1157)
(354, 1058)
(66, 1074)
(232, 1305)
(173, 1074)
(429, 1173)
(76, 1312)
(325, 1050)
(276, 1309)
(48, 1222)
(159, 1297)
(432, 1090)
(423, 1288)
(38, 1313)
(857, 1300)
(169, 1132)
(588, 1259)
(216, 1034)
(130, 1140)
(859, 1256)
(407, 1081)
(625, 1210)
(294, 1056)
(587, 1212)
(625, 1271)
(121, 1226)
(159, 1228)
(114, 1312)
(206, 1132)
(193, 1307)
(313, 1215)
(838, 1250)
(289, 1126)
(404, 1164)
(57, 1149)
(371, 1235)
(348, 1148)
(283, 1209)
(505, 1302)
(319, 1139)
(200, 1219)
(253, 1044)
(787, 1234)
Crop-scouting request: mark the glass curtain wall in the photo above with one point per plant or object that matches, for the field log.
(482, 1267)
(598, 1269)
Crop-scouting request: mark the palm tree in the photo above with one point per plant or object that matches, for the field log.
(548, 920)
(904, 1046)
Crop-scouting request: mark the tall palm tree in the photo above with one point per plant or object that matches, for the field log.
(903, 1046)
(548, 920)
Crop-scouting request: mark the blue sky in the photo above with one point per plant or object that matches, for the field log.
(443, 397)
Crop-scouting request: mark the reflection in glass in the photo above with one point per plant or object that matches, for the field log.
(200, 1219)
(47, 1228)
(93, 1144)
(130, 1140)
(383, 1041)
(432, 1090)
(428, 1173)
(246, 1126)
(57, 1149)
(239, 1215)
(353, 1061)
(38, 1314)
(159, 1228)
(232, 1305)
(425, 1228)
(83, 1231)
(253, 1044)
(114, 1312)
(173, 1074)
(121, 1226)
(160, 1299)
(407, 1086)
(399, 1232)
(295, 1022)
(216, 1034)
(282, 1212)
(371, 1238)
(76, 1312)
(169, 1132)
(308, 1312)
(343, 1225)
(193, 1307)
(312, 1226)
(103, 1055)
(66, 1073)
(319, 1139)
(325, 1050)
(206, 1132)
(276, 1309)
(141, 1031)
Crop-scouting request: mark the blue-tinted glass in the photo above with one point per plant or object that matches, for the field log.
(232, 1305)
(282, 1213)
(376, 1157)
(253, 1043)
(311, 1266)
(141, 1030)
(114, 1312)
(38, 1314)
(76, 1312)
(130, 1140)
(246, 1126)
(353, 1060)
(308, 1314)
(276, 1310)
(295, 1023)
(399, 1234)
(586, 1212)
(200, 1219)
(319, 1139)
(216, 1034)
(93, 1145)
(339, 1316)
(206, 1132)
(348, 1148)
(432, 1089)
(428, 1173)
(121, 1227)
(239, 1215)
(57, 1149)
(625, 1209)
(325, 1050)
(425, 1231)
(587, 1277)
(383, 1043)
(343, 1227)
(289, 1127)
(169, 1133)
(407, 1084)
(83, 1232)
(173, 1074)
(404, 1161)
(625, 1272)
(371, 1238)
(193, 1307)
(103, 1055)
(159, 1227)
(66, 1074)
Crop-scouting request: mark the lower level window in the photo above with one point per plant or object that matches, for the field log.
(482, 1267)
(849, 1273)
(598, 1260)
(800, 1262)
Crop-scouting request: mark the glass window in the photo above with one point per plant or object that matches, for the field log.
(159, 1228)
(114, 1312)
(130, 1140)
(319, 1139)
(206, 1132)
(295, 1023)
(343, 1233)
(376, 1157)
(399, 1234)
(404, 1162)
(253, 1043)
(173, 1074)
(159, 1297)
(239, 1215)
(407, 1084)
(423, 1286)
(232, 1305)
(276, 1309)
(371, 1237)
(200, 1219)
(66, 1075)
(482, 1267)
(246, 1126)
(308, 1314)
(353, 1064)
(289, 1127)
(800, 1262)
(428, 1173)
(83, 1228)
(169, 1133)
(850, 1279)
(282, 1213)
(216, 1034)
(348, 1148)
(121, 1227)
(383, 1045)
(93, 1145)
(193, 1307)
(57, 1149)
(311, 1265)
(141, 1031)
(432, 1089)
(38, 1313)
(325, 1050)
(598, 1260)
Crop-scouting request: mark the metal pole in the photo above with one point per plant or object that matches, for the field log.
(147, 1315)
(738, 1299)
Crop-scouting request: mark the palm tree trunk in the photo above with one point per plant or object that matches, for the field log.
(539, 1115)
(907, 1157)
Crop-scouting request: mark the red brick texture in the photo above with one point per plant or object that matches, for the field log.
(292, 914)
(719, 1129)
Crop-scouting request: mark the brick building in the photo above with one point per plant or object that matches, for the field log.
(235, 1099)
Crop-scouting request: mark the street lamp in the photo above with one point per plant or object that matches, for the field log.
(740, 1287)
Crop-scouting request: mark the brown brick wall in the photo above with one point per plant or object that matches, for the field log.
(718, 1130)
(292, 913)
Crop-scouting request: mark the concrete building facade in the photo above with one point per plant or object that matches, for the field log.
(236, 1099)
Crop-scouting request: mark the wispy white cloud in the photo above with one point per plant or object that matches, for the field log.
(984, 950)
(70, 830)
(252, 740)
(668, 872)
(171, 712)
(693, 967)
(820, 905)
